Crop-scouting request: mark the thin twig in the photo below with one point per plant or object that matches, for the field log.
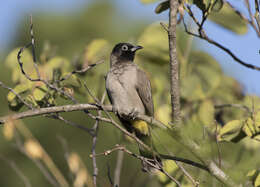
(16, 94)
(38, 79)
(179, 164)
(94, 143)
(202, 35)
(257, 18)
(252, 17)
(86, 129)
(186, 161)
(148, 161)
(33, 48)
(239, 106)
(171, 177)
(84, 70)
(119, 163)
(109, 176)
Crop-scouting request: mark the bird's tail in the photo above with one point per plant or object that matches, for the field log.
(142, 131)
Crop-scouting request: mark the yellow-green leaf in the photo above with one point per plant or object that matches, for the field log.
(228, 19)
(250, 127)
(170, 167)
(96, 49)
(11, 60)
(163, 114)
(192, 84)
(210, 78)
(12, 63)
(257, 181)
(58, 63)
(254, 176)
(155, 42)
(39, 94)
(206, 113)
(231, 130)
(165, 5)
(19, 89)
(215, 5)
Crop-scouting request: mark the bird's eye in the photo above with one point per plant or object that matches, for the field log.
(124, 48)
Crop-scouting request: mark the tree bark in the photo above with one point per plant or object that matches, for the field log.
(174, 65)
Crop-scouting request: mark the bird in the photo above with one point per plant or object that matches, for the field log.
(130, 93)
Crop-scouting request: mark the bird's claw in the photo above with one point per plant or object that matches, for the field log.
(126, 114)
(133, 114)
(115, 110)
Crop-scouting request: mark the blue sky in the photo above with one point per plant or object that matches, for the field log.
(245, 46)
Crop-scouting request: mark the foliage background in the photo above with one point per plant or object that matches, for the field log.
(68, 35)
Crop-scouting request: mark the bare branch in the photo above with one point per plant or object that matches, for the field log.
(86, 129)
(252, 22)
(94, 142)
(257, 18)
(202, 35)
(76, 107)
(109, 176)
(150, 162)
(84, 70)
(174, 65)
(39, 79)
(183, 160)
(119, 163)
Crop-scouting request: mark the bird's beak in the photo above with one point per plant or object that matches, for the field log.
(135, 48)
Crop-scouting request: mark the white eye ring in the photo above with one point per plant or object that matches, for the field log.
(124, 48)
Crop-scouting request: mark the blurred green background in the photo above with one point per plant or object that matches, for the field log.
(68, 33)
(86, 35)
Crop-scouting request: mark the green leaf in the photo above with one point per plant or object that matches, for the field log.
(163, 113)
(252, 126)
(14, 103)
(165, 5)
(257, 181)
(12, 63)
(202, 78)
(73, 81)
(228, 19)
(210, 78)
(231, 131)
(39, 93)
(19, 89)
(11, 60)
(207, 113)
(215, 5)
(168, 166)
(192, 84)
(155, 42)
(96, 50)
(58, 64)
(254, 176)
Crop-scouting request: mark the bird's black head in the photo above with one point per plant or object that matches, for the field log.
(124, 52)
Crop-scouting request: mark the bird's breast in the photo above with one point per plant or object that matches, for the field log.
(122, 90)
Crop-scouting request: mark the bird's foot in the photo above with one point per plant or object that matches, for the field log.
(133, 114)
(115, 110)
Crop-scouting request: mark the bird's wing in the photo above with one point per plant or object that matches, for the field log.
(107, 89)
(144, 91)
